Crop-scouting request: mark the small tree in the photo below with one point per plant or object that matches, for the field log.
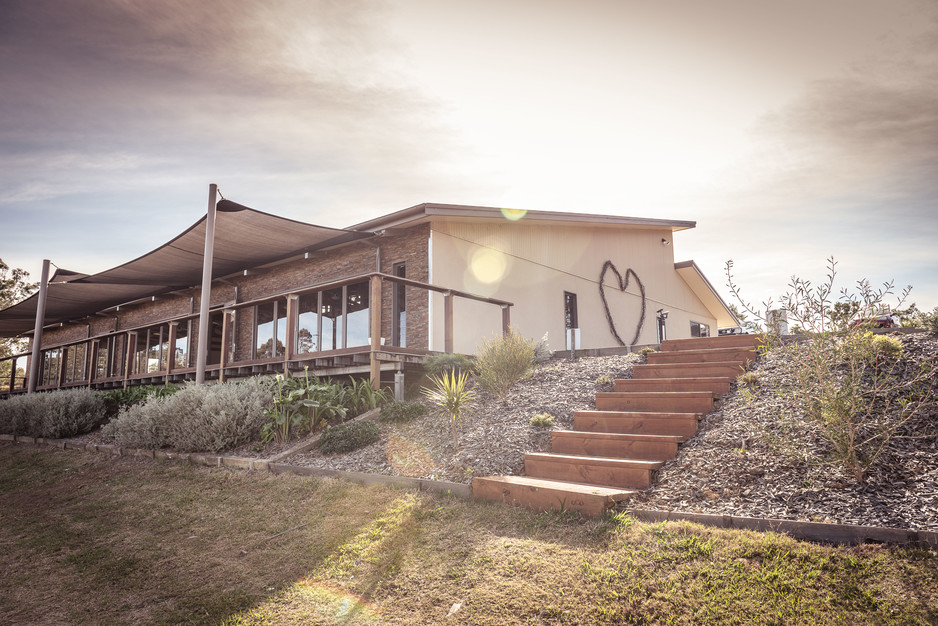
(858, 395)
(14, 287)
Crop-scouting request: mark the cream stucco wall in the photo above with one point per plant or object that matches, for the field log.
(532, 264)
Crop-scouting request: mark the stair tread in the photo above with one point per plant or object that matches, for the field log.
(618, 436)
(665, 381)
(593, 460)
(639, 414)
(546, 483)
(654, 394)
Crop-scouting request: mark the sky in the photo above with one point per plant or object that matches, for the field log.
(789, 131)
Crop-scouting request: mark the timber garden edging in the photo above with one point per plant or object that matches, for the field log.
(810, 531)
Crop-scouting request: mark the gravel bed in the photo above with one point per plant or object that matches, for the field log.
(491, 442)
(744, 462)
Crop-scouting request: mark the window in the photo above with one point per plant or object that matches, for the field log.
(698, 329)
(357, 315)
(181, 349)
(307, 328)
(49, 375)
(569, 310)
(332, 327)
(399, 308)
(270, 323)
(151, 350)
(118, 362)
(75, 363)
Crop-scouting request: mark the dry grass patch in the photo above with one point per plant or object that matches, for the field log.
(92, 538)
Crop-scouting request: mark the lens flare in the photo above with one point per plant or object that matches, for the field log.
(488, 266)
(513, 214)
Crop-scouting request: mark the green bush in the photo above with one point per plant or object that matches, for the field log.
(57, 414)
(748, 379)
(646, 351)
(117, 399)
(198, 418)
(884, 345)
(929, 321)
(402, 411)
(503, 361)
(543, 420)
(438, 364)
(349, 436)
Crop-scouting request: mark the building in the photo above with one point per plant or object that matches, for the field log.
(286, 295)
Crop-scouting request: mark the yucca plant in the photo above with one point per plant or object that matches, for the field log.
(452, 394)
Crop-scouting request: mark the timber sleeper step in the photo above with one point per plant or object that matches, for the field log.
(637, 422)
(702, 343)
(712, 355)
(590, 470)
(616, 445)
(665, 401)
(546, 495)
(688, 370)
(717, 385)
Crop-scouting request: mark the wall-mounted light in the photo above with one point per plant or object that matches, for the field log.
(665, 242)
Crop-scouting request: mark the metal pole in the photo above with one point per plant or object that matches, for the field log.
(202, 350)
(34, 365)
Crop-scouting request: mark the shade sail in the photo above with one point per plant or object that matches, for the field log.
(244, 238)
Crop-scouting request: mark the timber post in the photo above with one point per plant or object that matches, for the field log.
(202, 351)
(374, 304)
(35, 363)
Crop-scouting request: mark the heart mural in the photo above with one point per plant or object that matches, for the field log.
(623, 284)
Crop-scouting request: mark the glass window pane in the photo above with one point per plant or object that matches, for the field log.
(307, 339)
(281, 327)
(181, 349)
(264, 331)
(332, 319)
(357, 315)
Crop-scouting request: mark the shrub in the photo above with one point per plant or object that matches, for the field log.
(605, 379)
(305, 403)
(451, 393)
(438, 364)
(849, 384)
(363, 397)
(402, 411)
(748, 379)
(929, 321)
(198, 418)
(884, 345)
(503, 361)
(543, 420)
(542, 352)
(116, 399)
(646, 351)
(57, 414)
(349, 436)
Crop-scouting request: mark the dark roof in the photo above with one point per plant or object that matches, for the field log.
(244, 238)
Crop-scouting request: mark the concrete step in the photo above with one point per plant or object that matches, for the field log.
(711, 355)
(688, 370)
(636, 423)
(658, 401)
(717, 385)
(546, 495)
(591, 470)
(615, 445)
(703, 343)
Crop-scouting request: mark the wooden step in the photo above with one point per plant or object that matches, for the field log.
(687, 370)
(591, 470)
(615, 445)
(636, 422)
(717, 385)
(703, 343)
(547, 495)
(660, 401)
(712, 355)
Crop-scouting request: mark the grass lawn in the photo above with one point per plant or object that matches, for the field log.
(91, 538)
